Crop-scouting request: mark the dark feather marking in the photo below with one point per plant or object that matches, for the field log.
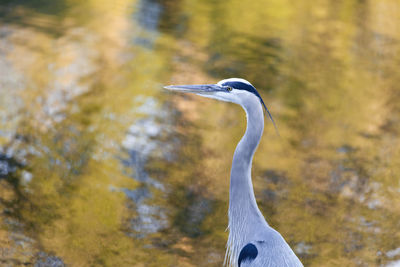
(248, 253)
(251, 89)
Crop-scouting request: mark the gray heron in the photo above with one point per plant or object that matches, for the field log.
(251, 242)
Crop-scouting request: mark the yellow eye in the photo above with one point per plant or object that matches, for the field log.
(229, 88)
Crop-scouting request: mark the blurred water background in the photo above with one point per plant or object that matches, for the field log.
(99, 166)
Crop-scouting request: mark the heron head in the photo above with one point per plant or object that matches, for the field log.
(229, 90)
(233, 90)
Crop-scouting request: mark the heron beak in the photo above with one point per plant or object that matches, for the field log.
(197, 88)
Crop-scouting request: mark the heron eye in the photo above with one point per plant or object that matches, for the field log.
(229, 88)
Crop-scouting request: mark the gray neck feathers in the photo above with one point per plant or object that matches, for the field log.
(244, 214)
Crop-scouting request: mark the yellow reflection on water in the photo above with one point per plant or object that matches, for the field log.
(102, 168)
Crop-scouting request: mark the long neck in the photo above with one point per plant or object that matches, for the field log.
(244, 214)
(241, 195)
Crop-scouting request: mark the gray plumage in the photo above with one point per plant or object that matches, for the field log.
(251, 242)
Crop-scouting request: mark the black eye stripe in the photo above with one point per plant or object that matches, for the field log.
(242, 86)
(251, 89)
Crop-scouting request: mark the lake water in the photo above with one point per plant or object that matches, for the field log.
(99, 166)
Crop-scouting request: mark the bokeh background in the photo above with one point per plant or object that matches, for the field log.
(99, 166)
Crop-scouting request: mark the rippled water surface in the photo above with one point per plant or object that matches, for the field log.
(101, 167)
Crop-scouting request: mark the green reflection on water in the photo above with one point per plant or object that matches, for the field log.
(99, 167)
